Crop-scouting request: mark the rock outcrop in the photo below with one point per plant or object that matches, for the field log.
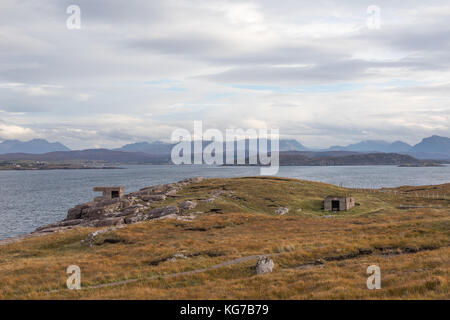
(188, 205)
(131, 208)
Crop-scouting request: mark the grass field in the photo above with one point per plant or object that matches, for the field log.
(317, 254)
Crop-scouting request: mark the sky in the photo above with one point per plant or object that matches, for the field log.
(323, 72)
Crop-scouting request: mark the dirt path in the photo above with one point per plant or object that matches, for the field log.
(185, 273)
(171, 275)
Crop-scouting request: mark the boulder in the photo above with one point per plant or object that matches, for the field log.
(177, 256)
(133, 209)
(264, 265)
(64, 223)
(160, 212)
(172, 192)
(91, 236)
(282, 211)
(107, 222)
(77, 211)
(135, 218)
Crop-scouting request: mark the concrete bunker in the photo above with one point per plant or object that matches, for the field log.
(109, 193)
(334, 203)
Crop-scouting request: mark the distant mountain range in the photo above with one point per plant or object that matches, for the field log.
(35, 146)
(159, 147)
(434, 147)
(374, 146)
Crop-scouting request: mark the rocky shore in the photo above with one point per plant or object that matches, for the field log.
(131, 208)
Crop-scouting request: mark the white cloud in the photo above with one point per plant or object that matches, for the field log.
(8, 131)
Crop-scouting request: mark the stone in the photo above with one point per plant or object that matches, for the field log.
(186, 218)
(78, 211)
(264, 265)
(91, 237)
(282, 211)
(61, 224)
(164, 211)
(319, 262)
(177, 256)
(171, 192)
(107, 222)
(133, 209)
(74, 213)
(188, 205)
(134, 219)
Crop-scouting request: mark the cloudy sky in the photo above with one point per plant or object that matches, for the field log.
(137, 70)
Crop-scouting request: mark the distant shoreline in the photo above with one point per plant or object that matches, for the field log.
(58, 168)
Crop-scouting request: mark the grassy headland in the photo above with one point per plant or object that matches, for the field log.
(317, 254)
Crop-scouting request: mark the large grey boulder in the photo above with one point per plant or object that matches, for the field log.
(77, 211)
(264, 265)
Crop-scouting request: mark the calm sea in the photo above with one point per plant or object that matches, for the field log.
(29, 199)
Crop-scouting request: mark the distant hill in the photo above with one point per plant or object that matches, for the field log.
(434, 147)
(156, 147)
(292, 145)
(433, 144)
(302, 159)
(35, 146)
(375, 146)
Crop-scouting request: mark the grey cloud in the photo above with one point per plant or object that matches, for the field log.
(321, 73)
(124, 46)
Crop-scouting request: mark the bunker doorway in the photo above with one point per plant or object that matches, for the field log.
(335, 205)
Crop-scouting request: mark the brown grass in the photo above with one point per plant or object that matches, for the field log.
(410, 246)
